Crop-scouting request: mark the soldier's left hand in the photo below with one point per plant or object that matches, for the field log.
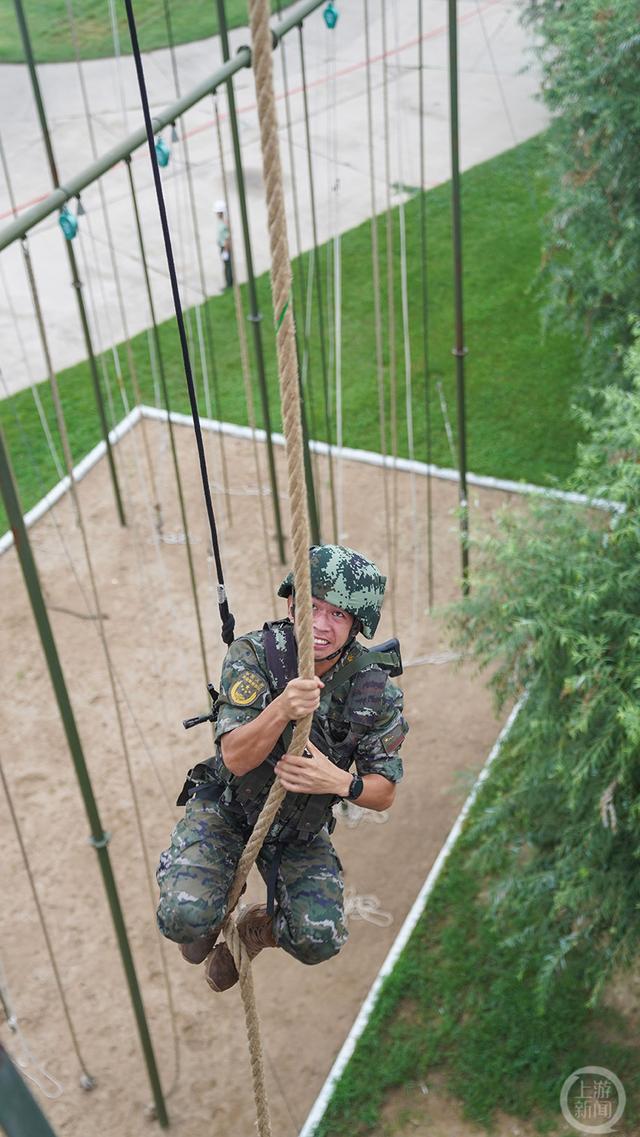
(314, 775)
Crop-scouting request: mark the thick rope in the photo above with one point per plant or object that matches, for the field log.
(300, 538)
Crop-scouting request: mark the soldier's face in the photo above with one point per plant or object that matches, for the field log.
(331, 627)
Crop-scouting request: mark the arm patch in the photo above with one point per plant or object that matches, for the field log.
(394, 738)
(246, 688)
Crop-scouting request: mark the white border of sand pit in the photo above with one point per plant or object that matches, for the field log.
(370, 457)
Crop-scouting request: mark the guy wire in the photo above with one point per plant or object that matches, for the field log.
(425, 309)
(246, 369)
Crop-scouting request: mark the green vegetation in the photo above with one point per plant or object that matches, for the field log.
(52, 35)
(518, 384)
(458, 1004)
(540, 900)
(556, 609)
(590, 56)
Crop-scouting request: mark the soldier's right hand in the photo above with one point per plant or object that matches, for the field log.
(301, 697)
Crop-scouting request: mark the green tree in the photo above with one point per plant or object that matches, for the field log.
(590, 55)
(555, 611)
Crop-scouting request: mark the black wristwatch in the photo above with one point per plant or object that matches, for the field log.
(356, 787)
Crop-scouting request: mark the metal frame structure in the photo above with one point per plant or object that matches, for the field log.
(74, 186)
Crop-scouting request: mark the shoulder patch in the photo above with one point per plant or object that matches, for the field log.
(393, 739)
(245, 690)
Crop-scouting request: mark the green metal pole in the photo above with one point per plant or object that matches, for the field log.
(99, 839)
(75, 278)
(208, 324)
(425, 306)
(314, 521)
(20, 1114)
(255, 316)
(314, 517)
(459, 351)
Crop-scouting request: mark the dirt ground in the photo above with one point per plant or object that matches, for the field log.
(144, 594)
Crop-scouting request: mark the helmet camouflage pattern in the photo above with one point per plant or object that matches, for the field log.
(347, 579)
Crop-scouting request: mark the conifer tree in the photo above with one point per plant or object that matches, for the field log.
(555, 611)
(590, 56)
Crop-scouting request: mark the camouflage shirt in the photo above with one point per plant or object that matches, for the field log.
(247, 685)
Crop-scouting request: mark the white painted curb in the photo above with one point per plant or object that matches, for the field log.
(369, 457)
(400, 942)
(79, 472)
(372, 458)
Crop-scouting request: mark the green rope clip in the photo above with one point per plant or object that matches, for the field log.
(99, 842)
(68, 222)
(163, 152)
(330, 16)
(282, 316)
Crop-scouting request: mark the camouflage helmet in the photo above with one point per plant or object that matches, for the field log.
(347, 579)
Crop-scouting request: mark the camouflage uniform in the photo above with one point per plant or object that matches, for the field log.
(196, 871)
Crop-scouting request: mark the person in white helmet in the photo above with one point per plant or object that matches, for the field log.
(224, 242)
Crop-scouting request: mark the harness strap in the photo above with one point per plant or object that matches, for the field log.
(387, 660)
(272, 879)
(387, 656)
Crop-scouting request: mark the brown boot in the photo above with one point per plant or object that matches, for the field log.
(198, 951)
(255, 928)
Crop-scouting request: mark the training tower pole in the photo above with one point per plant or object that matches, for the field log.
(459, 351)
(99, 839)
(255, 315)
(75, 278)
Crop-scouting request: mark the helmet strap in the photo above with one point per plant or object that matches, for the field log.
(357, 626)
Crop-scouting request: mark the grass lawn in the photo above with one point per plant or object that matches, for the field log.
(456, 1011)
(52, 39)
(519, 386)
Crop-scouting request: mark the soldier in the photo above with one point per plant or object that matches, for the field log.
(223, 238)
(357, 718)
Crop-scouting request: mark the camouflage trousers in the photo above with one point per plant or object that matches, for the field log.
(196, 871)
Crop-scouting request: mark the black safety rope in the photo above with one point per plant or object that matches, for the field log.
(226, 617)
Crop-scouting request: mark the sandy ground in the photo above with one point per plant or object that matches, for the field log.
(150, 628)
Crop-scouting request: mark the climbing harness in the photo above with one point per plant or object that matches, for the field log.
(301, 816)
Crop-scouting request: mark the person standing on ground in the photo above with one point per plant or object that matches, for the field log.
(357, 718)
(224, 242)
